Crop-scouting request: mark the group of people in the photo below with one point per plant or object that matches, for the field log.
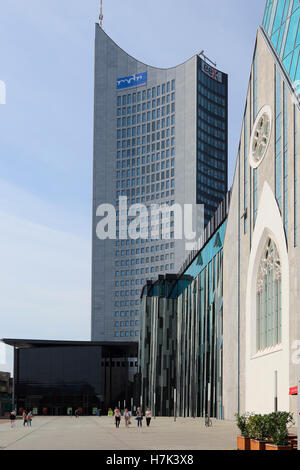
(77, 412)
(27, 418)
(127, 417)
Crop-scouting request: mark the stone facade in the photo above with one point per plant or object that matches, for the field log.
(263, 206)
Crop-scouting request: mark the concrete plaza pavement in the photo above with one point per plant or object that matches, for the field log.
(100, 433)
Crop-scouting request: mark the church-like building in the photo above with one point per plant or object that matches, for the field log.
(224, 338)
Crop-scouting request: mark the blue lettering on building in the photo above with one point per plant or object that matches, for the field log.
(134, 80)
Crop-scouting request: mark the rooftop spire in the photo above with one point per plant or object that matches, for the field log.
(101, 14)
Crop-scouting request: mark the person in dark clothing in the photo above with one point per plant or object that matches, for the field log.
(12, 419)
(117, 417)
(29, 418)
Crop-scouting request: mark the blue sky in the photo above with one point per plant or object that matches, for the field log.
(46, 136)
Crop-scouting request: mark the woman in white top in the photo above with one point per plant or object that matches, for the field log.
(148, 417)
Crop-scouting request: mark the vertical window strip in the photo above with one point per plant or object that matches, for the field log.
(255, 86)
(250, 124)
(278, 16)
(254, 195)
(258, 318)
(285, 33)
(254, 117)
(272, 17)
(268, 14)
(268, 299)
(278, 138)
(246, 170)
(295, 179)
(269, 307)
(285, 160)
(239, 279)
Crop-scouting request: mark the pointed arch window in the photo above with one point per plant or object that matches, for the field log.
(268, 298)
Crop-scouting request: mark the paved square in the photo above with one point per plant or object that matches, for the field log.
(100, 433)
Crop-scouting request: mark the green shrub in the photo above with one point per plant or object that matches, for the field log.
(257, 427)
(242, 424)
(277, 427)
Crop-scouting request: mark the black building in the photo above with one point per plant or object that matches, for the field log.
(5, 393)
(212, 137)
(54, 377)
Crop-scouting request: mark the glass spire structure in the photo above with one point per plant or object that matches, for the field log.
(281, 24)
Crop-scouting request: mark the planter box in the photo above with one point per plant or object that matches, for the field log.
(257, 445)
(243, 443)
(269, 446)
(294, 444)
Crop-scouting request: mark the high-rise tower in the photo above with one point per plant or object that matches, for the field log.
(160, 137)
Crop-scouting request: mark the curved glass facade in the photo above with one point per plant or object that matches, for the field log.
(181, 343)
(281, 23)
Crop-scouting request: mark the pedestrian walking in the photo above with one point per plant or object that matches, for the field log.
(24, 416)
(127, 417)
(139, 417)
(148, 417)
(117, 417)
(77, 413)
(12, 418)
(29, 418)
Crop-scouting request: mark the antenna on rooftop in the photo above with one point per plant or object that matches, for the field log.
(207, 58)
(101, 14)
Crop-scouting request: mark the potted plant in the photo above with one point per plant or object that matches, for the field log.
(277, 430)
(257, 432)
(243, 440)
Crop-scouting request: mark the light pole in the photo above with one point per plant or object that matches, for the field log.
(276, 391)
(299, 407)
(208, 400)
(175, 404)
